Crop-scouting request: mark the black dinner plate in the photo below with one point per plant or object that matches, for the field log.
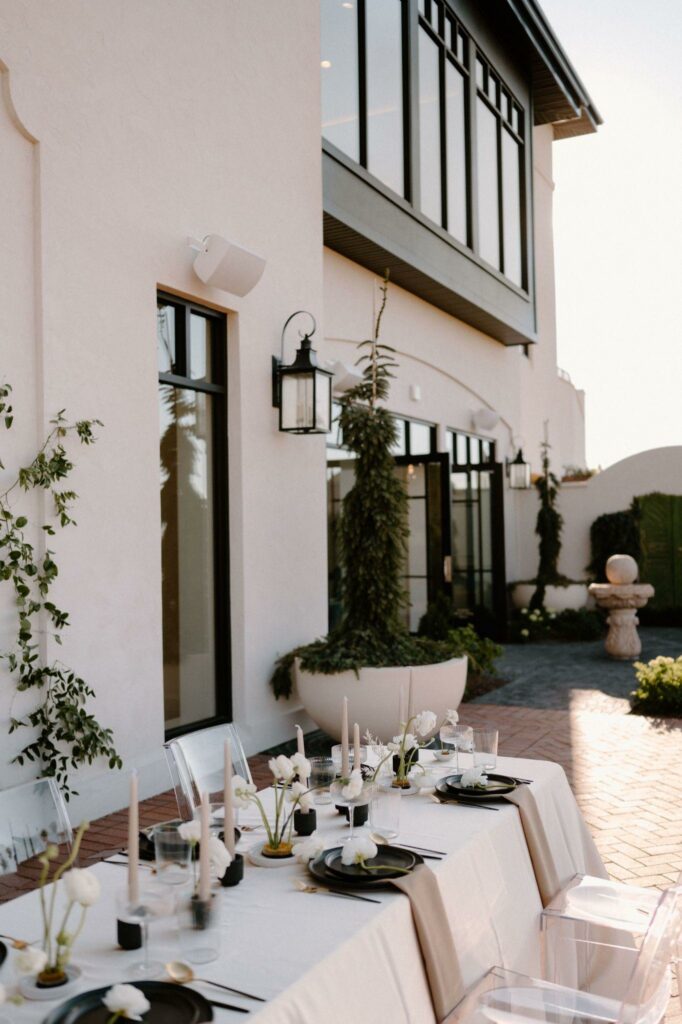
(498, 786)
(319, 870)
(390, 859)
(170, 1004)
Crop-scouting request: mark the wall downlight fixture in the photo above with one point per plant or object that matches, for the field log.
(518, 471)
(302, 390)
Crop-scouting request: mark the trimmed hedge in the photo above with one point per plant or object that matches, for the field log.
(660, 687)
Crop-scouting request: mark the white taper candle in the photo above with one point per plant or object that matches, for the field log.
(345, 772)
(204, 863)
(227, 800)
(133, 842)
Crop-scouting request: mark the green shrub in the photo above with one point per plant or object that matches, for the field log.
(441, 617)
(481, 652)
(578, 624)
(616, 533)
(660, 687)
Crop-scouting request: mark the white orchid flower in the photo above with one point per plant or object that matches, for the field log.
(308, 848)
(242, 791)
(190, 831)
(301, 765)
(474, 778)
(218, 855)
(30, 960)
(299, 795)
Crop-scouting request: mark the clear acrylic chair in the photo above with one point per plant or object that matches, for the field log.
(617, 984)
(196, 763)
(32, 816)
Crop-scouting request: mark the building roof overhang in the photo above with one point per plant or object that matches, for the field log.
(559, 96)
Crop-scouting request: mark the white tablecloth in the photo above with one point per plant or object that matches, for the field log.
(322, 960)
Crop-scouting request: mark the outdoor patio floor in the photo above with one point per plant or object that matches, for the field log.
(564, 703)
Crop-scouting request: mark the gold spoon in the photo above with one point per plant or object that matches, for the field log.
(302, 887)
(16, 943)
(182, 974)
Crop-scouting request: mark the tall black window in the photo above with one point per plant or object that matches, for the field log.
(363, 84)
(191, 362)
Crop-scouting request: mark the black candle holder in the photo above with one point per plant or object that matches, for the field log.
(128, 934)
(360, 813)
(235, 871)
(411, 758)
(305, 822)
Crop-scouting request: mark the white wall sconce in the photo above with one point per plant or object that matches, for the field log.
(225, 265)
(302, 391)
(518, 471)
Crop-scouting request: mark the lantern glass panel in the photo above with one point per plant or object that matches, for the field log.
(297, 401)
(519, 475)
(323, 402)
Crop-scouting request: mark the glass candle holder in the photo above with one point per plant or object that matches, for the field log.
(199, 928)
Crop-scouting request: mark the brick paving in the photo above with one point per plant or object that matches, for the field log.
(625, 770)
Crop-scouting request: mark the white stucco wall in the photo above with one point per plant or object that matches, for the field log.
(125, 128)
(155, 122)
(659, 469)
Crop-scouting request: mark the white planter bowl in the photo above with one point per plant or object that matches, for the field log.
(374, 695)
(559, 599)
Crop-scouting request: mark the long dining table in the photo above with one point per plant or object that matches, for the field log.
(317, 958)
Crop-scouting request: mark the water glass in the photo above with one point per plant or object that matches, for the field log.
(485, 748)
(199, 927)
(336, 756)
(173, 855)
(322, 774)
(153, 901)
(384, 812)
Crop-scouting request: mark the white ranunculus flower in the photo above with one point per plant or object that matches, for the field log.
(218, 855)
(281, 767)
(355, 851)
(353, 788)
(308, 848)
(82, 886)
(127, 1000)
(452, 716)
(424, 780)
(474, 778)
(241, 791)
(190, 831)
(425, 722)
(411, 741)
(30, 960)
(298, 793)
(301, 765)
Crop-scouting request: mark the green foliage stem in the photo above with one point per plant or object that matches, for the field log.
(68, 736)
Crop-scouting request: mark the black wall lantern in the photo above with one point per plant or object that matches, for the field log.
(302, 391)
(518, 471)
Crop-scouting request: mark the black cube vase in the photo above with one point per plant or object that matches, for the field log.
(235, 872)
(305, 822)
(360, 813)
(129, 934)
(411, 758)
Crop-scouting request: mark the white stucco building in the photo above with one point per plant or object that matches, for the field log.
(127, 128)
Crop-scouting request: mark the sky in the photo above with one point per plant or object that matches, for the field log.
(618, 224)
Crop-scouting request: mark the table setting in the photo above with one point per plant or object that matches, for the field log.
(218, 943)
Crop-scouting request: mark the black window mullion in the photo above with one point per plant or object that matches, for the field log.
(408, 162)
(473, 156)
(500, 195)
(443, 137)
(362, 80)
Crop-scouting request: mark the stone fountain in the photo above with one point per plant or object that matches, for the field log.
(621, 597)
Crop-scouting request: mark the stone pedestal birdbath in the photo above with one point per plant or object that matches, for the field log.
(621, 596)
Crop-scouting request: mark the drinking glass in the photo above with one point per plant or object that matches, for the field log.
(485, 748)
(361, 800)
(199, 926)
(336, 756)
(154, 901)
(459, 737)
(172, 855)
(322, 774)
(384, 812)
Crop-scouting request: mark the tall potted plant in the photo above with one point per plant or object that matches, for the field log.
(371, 656)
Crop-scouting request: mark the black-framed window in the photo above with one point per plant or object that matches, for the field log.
(191, 347)
(471, 450)
(409, 95)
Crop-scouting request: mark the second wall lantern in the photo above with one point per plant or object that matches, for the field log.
(302, 390)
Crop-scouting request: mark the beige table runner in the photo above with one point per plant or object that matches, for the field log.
(435, 939)
(544, 864)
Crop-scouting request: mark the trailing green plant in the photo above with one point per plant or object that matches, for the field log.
(660, 687)
(373, 539)
(68, 736)
(548, 526)
(441, 616)
(615, 533)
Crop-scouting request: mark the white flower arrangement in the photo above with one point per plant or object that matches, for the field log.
(309, 848)
(82, 889)
(402, 745)
(474, 778)
(290, 794)
(125, 1001)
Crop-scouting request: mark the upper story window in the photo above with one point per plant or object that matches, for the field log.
(408, 95)
(362, 84)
